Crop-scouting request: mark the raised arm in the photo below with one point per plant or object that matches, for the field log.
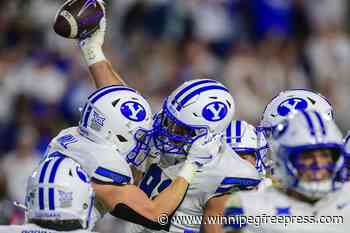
(102, 74)
(100, 68)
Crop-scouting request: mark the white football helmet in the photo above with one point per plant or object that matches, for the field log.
(347, 153)
(290, 101)
(303, 131)
(243, 139)
(59, 189)
(347, 144)
(198, 108)
(120, 116)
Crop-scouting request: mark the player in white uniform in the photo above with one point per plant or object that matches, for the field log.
(308, 151)
(347, 153)
(190, 130)
(199, 110)
(290, 101)
(114, 134)
(245, 141)
(59, 199)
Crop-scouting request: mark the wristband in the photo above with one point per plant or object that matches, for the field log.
(92, 55)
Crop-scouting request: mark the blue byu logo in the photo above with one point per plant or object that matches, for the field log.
(291, 104)
(133, 111)
(214, 111)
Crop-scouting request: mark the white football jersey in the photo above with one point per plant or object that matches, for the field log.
(32, 228)
(330, 214)
(264, 184)
(100, 161)
(226, 172)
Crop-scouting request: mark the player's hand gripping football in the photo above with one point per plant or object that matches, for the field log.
(91, 46)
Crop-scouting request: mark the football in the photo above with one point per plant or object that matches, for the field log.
(78, 18)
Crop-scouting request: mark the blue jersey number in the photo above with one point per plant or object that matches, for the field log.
(66, 140)
(152, 180)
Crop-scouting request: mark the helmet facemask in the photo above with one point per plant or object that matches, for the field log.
(172, 136)
(315, 169)
(258, 155)
(142, 147)
(120, 117)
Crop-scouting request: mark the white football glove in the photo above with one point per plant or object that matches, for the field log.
(204, 150)
(201, 153)
(91, 47)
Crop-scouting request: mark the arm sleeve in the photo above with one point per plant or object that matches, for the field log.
(125, 212)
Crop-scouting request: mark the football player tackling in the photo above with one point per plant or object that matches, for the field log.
(114, 133)
(190, 125)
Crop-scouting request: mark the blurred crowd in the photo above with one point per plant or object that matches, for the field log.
(256, 47)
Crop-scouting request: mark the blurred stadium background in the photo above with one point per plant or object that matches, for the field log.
(256, 47)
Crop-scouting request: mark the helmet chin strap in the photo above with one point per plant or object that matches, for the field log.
(313, 189)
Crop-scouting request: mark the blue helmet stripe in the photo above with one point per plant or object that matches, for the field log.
(229, 133)
(238, 131)
(52, 180)
(51, 199)
(321, 123)
(99, 94)
(43, 171)
(41, 180)
(83, 114)
(103, 93)
(347, 138)
(54, 169)
(197, 92)
(178, 95)
(309, 122)
(41, 198)
(86, 116)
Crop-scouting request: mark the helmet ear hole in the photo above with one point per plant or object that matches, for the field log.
(121, 138)
(115, 102)
(228, 103)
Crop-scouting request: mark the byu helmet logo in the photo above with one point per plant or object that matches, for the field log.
(291, 104)
(215, 111)
(133, 111)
